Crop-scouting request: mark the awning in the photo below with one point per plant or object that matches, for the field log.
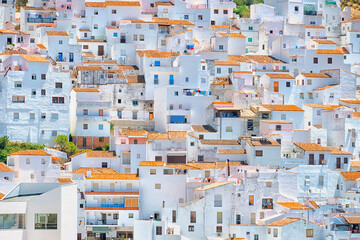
(177, 119)
(100, 229)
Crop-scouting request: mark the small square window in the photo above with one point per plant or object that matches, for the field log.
(157, 186)
(131, 215)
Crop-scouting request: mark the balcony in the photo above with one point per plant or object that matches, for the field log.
(101, 222)
(96, 104)
(41, 20)
(87, 118)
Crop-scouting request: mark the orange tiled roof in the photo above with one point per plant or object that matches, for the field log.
(106, 174)
(219, 142)
(85, 90)
(326, 87)
(315, 26)
(283, 222)
(337, 151)
(323, 41)
(276, 121)
(89, 68)
(178, 33)
(331, 107)
(100, 154)
(226, 63)
(2, 195)
(167, 21)
(87, 55)
(343, 50)
(34, 58)
(31, 152)
(170, 135)
(350, 175)
(138, 133)
(57, 33)
(355, 164)
(293, 205)
(203, 128)
(311, 146)
(356, 114)
(328, 51)
(65, 180)
(292, 108)
(317, 126)
(316, 75)
(221, 81)
(279, 75)
(315, 105)
(263, 59)
(231, 151)
(111, 208)
(5, 168)
(164, 3)
(232, 35)
(156, 54)
(351, 101)
(152, 164)
(95, 4)
(112, 193)
(122, 3)
(41, 46)
(238, 59)
(314, 204)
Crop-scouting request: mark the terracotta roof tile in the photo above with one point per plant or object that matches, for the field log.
(226, 63)
(57, 33)
(276, 121)
(95, 4)
(136, 133)
(279, 75)
(101, 154)
(232, 35)
(41, 46)
(171, 135)
(263, 59)
(316, 75)
(231, 151)
(314, 204)
(315, 26)
(87, 54)
(203, 128)
(34, 58)
(65, 180)
(135, 78)
(356, 114)
(350, 175)
(351, 101)
(352, 219)
(293, 205)
(292, 108)
(238, 59)
(152, 164)
(283, 222)
(355, 164)
(164, 3)
(328, 51)
(122, 3)
(106, 174)
(178, 33)
(343, 50)
(5, 168)
(85, 90)
(219, 142)
(337, 151)
(311, 147)
(323, 41)
(156, 54)
(31, 152)
(89, 68)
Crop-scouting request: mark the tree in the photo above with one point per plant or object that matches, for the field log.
(62, 142)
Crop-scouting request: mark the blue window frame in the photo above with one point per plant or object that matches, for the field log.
(135, 102)
(119, 113)
(284, 67)
(115, 34)
(171, 79)
(157, 63)
(177, 119)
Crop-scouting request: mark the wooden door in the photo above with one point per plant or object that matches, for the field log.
(276, 86)
(338, 162)
(311, 159)
(101, 50)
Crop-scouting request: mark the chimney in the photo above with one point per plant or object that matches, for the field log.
(88, 173)
(340, 147)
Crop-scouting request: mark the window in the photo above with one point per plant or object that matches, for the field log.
(33, 76)
(60, 100)
(200, 17)
(256, 236)
(101, 139)
(113, 11)
(156, 79)
(217, 201)
(218, 70)
(33, 92)
(259, 153)
(278, 127)
(249, 39)
(32, 116)
(85, 112)
(168, 172)
(85, 46)
(283, 116)
(96, 12)
(43, 115)
(225, 11)
(345, 160)
(18, 99)
(135, 102)
(58, 85)
(18, 84)
(307, 180)
(42, 173)
(275, 232)
(230, 70)
(96, 26)
(229, 129)
(85, 126)
(45, 221)
(251, 200)
(171, 79)
(321, 181)
(142, 37)
(60, 42)
(200, 158)
(158, 230)
(267, 203)
(329, 60)
(157, 186)
(288, 84)
(219, 219)
(192, 217)
(54, 116)
(316, 60)
(218, 229)
(135, 37)
(186, 17)
(296, 8)
(216, 11)
(250, 125)
(250, 28)
(152, 171)
(27, 160)
(131, 215)
(101, 127)
(238, 219)
(191, 228)
(309, 232)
